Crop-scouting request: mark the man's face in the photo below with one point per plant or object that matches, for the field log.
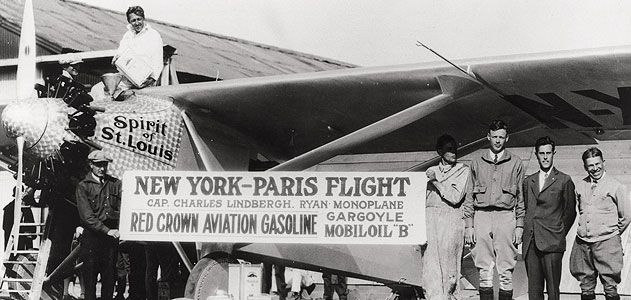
(99, 169)
(497, 138)
(73, 69)
(137, 22)
(545, 156)
(595, 167)
(448, 153)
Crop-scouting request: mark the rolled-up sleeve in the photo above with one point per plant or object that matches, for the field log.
(454, 190)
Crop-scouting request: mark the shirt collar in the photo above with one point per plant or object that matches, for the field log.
(445, 167)
(65, 73)
(545, 174)
(499, 155)
(131, 29)
(95, 178)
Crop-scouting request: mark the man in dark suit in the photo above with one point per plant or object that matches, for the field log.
(550, 202)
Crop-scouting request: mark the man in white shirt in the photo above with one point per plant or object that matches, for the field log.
(143, 43)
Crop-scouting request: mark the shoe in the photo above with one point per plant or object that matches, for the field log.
(506, 294)
(124, 95)
(486, 293)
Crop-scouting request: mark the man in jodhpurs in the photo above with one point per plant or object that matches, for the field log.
(494, 212)
(604, 214)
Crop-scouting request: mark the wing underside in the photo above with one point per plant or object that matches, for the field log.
(574, 97)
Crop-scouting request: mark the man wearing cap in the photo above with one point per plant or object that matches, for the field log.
(70, 66)
(98, 201)
(60, 85)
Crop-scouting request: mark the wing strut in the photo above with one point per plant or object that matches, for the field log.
(453, 88)
(211, 163)
(209, 160)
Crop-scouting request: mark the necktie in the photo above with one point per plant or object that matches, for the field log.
(543, 183)
(495, 158)
(594, 183)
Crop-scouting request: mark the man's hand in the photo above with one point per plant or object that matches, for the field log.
(431, 175)
(517, 237)
(148, 82)
(469, 236)
(114, 233)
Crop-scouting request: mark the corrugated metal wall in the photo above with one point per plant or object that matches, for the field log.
(8, 83)
(10, 44)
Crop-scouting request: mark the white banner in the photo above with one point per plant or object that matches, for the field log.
(274, 207)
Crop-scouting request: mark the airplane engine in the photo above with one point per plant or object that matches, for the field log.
(42, 122)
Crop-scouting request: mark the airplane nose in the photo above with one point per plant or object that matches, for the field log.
(26, 118)
(40, 121)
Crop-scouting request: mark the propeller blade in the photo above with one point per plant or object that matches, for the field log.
(26, 57)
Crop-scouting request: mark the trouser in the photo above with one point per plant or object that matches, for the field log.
(334, 283)
(540, 267)
(163, 255)
(442, 256)
(137, 269)
(99, 255)
(279, 279)
(494, 233)
(603, 259)
(122, 269)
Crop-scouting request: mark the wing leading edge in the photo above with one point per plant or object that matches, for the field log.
(569, 95)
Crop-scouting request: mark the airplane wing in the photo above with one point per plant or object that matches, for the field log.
(573, 96)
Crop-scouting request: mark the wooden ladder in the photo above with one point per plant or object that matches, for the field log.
(22, 272)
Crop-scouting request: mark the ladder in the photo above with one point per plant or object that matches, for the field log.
(23, 270)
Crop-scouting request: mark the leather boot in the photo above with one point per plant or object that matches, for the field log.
(486, 293)
(506, 294)
(616, 297)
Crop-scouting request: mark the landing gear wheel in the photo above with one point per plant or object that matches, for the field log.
(209, 275)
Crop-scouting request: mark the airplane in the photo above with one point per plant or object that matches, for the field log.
(300, 120)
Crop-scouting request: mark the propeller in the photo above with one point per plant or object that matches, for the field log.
(26, 57)
(25, 92)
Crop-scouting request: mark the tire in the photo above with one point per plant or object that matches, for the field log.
(209, 275)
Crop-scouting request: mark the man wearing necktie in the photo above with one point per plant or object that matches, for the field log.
(550, 201)
(604, 214)
(494, 212)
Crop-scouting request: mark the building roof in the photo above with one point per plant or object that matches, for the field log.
(61, 24)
